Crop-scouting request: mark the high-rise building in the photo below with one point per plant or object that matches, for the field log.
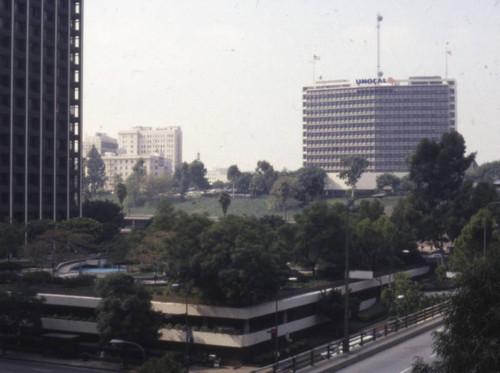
(102, 142)
(40, 109)
(377, 119)
(166, 142)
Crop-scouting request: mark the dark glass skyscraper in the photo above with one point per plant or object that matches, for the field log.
(40, 109)
(377, 119)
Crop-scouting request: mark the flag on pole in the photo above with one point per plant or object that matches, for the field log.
(316, 58)
(449, 52)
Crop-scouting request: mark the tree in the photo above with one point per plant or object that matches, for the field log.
(354, 167)
(233, 173)
(21, 311)
(469, 341)
(319, 235)
(135, 184)
(388, 181)
(373, 244)
(108, 213)
(11, 238)
(402, 295)
(470, 244)
(282, 190)
(370, 209)
(197, 174)
(121, 192)
(57, 246)
(35, 228)
(437, 172)
(95, 170)
(243, 182)
(488, 172)
(87, 226)
(224, 200)
(165, 364)
(125, 311)
(310, 184)
(239, 262)
(263, 179)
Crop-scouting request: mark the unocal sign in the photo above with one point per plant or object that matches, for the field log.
(374, 81)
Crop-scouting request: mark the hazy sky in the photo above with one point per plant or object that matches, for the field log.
(230, 73)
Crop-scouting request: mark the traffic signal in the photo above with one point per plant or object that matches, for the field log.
(274, 334)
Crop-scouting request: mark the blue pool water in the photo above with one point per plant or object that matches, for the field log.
(103, 270)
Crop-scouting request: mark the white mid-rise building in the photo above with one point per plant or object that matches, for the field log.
(123, 165)
(167, 142)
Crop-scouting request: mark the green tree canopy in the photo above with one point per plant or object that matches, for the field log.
(165, 364)
(224, 200)
(372, 244)
(121, 192)
(469, 246)
(388, 181)
(197, 174)
(437, 172)
(11, 238)
(402, 295)
(108, 213)
(283, 188)
(488, 172)
(310, 184)
(239, 263)
(233, 174)
(354, 167)
(125, 311)
(21, 310)
(135, 184)
(95, 170)
(469, 341)
(320, 235)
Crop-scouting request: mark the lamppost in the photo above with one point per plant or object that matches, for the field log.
(121, 342)
(349, 203)
(274, 333)
(187, 330)
(401, 297)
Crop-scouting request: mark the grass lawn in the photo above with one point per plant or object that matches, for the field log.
(256, 206)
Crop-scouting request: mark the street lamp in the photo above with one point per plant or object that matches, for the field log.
(401, 297)
(274, 333)
(121, 342)
(186, 329)
(349, 203)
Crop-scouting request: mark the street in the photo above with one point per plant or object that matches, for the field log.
(397, 359)
(19, 366)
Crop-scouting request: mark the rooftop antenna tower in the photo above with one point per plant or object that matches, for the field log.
(379, 19)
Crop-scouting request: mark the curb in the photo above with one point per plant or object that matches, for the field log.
(373, 349)
(61, 363)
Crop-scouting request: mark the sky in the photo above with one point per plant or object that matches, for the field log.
(230, 73)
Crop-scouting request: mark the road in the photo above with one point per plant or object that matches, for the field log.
(397, 359)
(17, 366)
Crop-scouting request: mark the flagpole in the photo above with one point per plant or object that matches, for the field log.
(446, 53)
(314, 64)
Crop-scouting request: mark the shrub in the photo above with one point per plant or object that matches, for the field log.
(36, 278)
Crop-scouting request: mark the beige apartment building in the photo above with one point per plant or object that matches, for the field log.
(123, 165)
(166, 142)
